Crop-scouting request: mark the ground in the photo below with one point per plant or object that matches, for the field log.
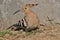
(51, 32)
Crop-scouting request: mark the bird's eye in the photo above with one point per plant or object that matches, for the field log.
(32, 4)
(25, 8)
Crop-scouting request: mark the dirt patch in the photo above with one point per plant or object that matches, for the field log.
(45, 33)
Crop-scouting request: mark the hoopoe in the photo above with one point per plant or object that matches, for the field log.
(31, 20)
(30, 17)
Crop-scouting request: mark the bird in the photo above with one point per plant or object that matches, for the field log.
(30, 20)
(30, 17)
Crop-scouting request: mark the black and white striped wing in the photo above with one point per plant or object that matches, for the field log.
(23, 23)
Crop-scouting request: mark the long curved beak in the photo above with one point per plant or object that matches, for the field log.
(16, 12)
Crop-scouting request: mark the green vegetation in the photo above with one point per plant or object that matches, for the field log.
(2, 33)
(28, 33)
(1, 39)
(32, 32)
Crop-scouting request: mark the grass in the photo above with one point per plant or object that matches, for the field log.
(2, 33)
(28, 33)
(32, 32)
(1, 39)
